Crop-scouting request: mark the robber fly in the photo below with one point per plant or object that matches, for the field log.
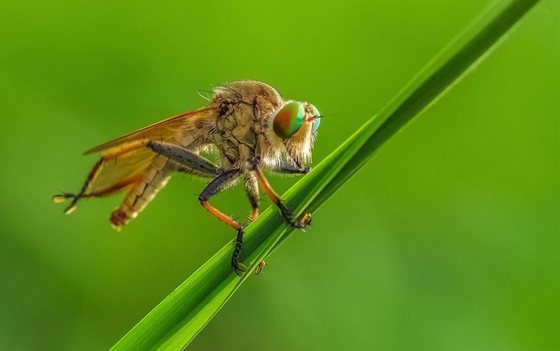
(247, 124)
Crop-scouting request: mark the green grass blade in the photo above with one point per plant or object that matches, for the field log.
(176, 321)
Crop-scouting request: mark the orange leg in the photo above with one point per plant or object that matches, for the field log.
(221, 216)
(254, 214)
(217, 185)
(286, 213)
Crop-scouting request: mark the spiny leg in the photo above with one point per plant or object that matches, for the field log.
(285, 167)
(301, 223)
(190, 162)
(217, 185)
(59, 198)
(93, 174)
(105, 192)
(197, 165)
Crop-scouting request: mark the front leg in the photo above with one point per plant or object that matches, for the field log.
(302, 222)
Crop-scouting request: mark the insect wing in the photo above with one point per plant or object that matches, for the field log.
(125, 160)
(169, 129)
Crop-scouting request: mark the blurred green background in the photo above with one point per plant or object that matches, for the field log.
(447, 240)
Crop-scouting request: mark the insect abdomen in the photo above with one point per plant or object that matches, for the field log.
(155, 177)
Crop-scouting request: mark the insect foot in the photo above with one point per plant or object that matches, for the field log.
(238, 267)
(304, 221)
(60, 198)
(301, 223)
(261, 266)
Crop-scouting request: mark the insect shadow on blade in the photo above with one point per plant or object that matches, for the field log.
(249, 125)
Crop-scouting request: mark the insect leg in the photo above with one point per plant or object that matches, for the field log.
(190, 162)
(101, 193)
(252, 191)
(94, 173)
(301, 223)
(217, 185)
(82, 194)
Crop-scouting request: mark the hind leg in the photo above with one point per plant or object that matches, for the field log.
(217, 185)
(59, 198)
(190, 162)
(94, 173)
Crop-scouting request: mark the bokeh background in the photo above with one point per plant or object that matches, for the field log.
(447, 240)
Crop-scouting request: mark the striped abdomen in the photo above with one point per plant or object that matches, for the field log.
(141, 193)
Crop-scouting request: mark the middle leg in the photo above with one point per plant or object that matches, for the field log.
(252, 190)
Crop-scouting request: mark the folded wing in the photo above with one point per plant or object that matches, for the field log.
(125, 160)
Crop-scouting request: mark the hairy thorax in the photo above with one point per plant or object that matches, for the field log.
(245, 110)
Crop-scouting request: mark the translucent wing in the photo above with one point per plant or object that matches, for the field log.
(169, 129)
(125, 160)
(112, 175)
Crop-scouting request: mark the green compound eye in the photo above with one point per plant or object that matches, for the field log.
(288, 120)
(316, 121)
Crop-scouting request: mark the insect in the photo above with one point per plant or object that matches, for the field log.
(247, 124)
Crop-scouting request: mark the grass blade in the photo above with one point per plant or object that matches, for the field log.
(176, 321)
